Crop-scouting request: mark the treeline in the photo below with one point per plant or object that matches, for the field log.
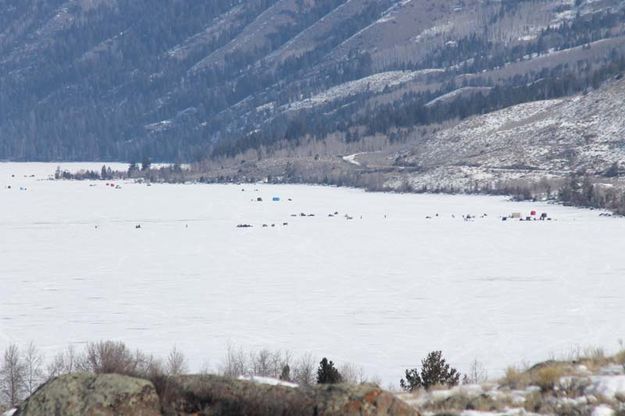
(144, 171)
(582, 191)
(22, 371)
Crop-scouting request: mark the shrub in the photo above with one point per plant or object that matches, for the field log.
(533, 402)
(434, 371)
(515, 378)
(114, 357)
(547, 377)
(327, 373)
(544, 375)
(176, 363)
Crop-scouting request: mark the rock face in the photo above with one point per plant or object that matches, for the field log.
(93, 395)
(360, 400)
(213, 395)
(116, 395)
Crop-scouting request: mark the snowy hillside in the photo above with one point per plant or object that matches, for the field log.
(555, 137)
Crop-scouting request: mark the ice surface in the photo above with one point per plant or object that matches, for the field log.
(379, 292)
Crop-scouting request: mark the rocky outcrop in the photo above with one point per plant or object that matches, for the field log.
(213, 395)
(205, 395)
(359, 400)
(93, 395)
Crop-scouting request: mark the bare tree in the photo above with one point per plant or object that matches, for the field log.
(33, 366)
(352, 374)
(235, 362)
(12, 373)
(268, 363)
(176, 363)
(65, 362)
(304, 371)
(477, 373)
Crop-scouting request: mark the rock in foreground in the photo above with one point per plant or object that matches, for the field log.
(93, 395)
(83, 394)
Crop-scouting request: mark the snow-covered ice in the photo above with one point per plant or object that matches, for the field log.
(378, 292)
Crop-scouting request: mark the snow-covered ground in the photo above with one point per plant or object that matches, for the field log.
(381, 290)
(352, 159)
(373, 83)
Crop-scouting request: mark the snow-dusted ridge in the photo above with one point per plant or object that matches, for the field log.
(374, 83)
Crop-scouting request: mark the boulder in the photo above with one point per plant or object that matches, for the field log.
(93, 395)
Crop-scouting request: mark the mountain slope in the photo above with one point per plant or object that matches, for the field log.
(584, 133)
(121, 79)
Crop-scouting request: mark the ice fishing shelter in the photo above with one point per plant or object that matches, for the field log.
(515, 215)
(276, 199)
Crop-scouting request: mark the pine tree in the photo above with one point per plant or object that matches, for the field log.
(434, 371)
(327, 373)
(286, 373)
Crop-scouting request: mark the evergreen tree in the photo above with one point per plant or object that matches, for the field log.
(434, 371)
(327, 373)
(286, 373)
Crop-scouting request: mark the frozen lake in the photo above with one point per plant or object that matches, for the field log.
(378, 292)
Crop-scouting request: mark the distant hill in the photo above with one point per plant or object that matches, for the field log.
(552, 138)
(188, 80)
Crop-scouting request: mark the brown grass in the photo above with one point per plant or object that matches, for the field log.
(533, 402)
(544, 375)
(548, 377)
(515, 378)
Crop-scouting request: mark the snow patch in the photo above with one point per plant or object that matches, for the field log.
(269, 381)
(603, 410)
(374, 83)
(352, 159)
(607, 386)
